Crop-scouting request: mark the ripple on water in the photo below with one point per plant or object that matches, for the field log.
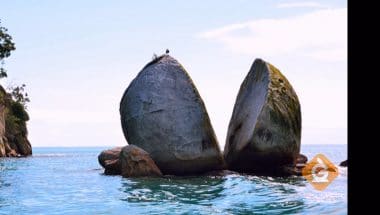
(229, 194)
(71, 182)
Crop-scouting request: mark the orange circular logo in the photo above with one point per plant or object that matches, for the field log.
(320, 172)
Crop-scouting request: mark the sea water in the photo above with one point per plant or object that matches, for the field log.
(70, 181)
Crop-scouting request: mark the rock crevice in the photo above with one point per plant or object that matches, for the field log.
(166, 124)
(264, 133)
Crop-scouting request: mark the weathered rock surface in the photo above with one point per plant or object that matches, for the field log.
(128, 161)
(264, 133)
(109, 160)
(112, 167)
(2, 148)
(163, 113)
(135, 162)
(109, 154)
(297, 168)
(13, 131)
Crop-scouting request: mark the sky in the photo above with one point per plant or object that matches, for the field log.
(78, 57)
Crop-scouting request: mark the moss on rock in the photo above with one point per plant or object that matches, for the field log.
(264, 133)
(13, 129)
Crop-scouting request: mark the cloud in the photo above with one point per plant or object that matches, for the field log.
(306, 4)
(321, 35)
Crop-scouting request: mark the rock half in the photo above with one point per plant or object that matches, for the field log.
(163, 113)
(264, 132)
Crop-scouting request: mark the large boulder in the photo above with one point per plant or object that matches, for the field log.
(264, 132)
(109, 160)
(163, 113)
(135, 162)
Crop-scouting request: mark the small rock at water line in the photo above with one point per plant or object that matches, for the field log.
(301, 159)
(109, 154)
(135, 162)
(163, 113)
(109, 160)
(344, 163)
(264, 132)
(112, 167)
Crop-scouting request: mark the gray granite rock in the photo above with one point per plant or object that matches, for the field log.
(264, 132)
(163, 113)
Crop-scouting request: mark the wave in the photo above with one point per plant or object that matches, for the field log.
(51, 155)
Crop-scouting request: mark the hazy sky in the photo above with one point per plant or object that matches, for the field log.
(78, 57)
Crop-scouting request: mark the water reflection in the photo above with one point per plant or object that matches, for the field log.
(186, 190)
(8, 164)
(5, 166)
(34, 185)
(230, 194)
(253, 194)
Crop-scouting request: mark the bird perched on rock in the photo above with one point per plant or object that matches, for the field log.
(154, 57)
(167, 51)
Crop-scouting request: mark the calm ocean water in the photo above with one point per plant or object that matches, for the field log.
(70, 181)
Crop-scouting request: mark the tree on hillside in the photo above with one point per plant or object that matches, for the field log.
(6, 47)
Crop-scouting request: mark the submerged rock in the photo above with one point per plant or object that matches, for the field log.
(135, 162)
(128, 161)
(163, 113)
(109, 160)
(264, 133)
